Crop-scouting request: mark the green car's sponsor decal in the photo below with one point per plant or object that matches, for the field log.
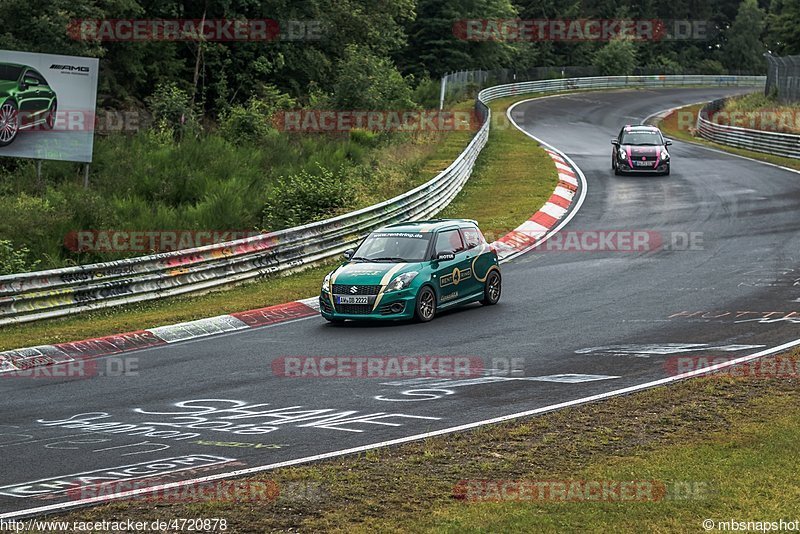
(455, 277)
(366, 272)
(449, 297)
(398, 234)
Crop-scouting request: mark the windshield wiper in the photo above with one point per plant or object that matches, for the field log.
(389, 258)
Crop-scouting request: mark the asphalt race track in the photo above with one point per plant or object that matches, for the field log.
(571, 324)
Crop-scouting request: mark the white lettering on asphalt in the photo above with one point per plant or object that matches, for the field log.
(63, 483)
(223, 415)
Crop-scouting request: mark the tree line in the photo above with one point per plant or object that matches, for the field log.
(375, 53)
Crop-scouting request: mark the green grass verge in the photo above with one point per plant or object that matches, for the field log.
(512, 179)
(671, 127)
(731, 440)
(761, 103)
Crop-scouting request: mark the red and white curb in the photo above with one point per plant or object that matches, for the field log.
(528, 235)
(23, 359)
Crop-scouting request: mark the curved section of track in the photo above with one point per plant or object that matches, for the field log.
(572, 323)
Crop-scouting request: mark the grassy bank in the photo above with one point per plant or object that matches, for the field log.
(721, 446)
(150, 182)
(512, 179)
(763, 109)
(677, 129)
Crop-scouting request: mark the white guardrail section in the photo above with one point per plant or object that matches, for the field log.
(775, 143)
(58, 292)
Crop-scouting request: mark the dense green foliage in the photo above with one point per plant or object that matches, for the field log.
(150, 181)
(617, 58)
(403, 40)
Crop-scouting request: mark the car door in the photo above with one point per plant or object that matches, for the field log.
(615, 147)
(451, 275)
(478, 256)
(34, 98)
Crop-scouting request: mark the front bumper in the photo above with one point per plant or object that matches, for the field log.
(393, 306)
(623, 167)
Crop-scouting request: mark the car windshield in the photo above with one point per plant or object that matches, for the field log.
(647, 138)
(393, 247)
(9, 73)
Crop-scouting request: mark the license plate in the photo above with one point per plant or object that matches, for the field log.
(643, 163)
(351, 300)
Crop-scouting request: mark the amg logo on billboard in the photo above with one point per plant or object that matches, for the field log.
(69, 68)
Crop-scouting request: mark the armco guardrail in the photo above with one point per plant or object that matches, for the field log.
(775, 143)
(37, 295)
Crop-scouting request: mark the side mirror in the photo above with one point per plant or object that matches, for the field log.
(348, 253)
(615, 142)
(668, 142)
(445, 256)
(30, 81)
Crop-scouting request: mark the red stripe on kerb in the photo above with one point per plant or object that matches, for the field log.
(517, 240)
(540, 217)
(275, 314)
(559, 201)
(102, 346)
(567, 185)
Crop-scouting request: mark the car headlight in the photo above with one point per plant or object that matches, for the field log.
(664, 155)
(326, 284)
(622, 153)
(402, 281)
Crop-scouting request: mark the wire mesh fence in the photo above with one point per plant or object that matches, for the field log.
(783, 77)
(465, 84)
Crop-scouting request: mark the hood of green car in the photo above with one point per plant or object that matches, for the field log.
(370, 273)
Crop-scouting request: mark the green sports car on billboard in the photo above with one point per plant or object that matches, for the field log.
(411, 270)
(26, 100)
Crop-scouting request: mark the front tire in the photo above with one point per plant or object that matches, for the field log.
(492, 289)
(426, 305)
(9, 123)
(666, 173)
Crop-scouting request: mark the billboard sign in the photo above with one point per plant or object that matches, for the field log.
(47, 106)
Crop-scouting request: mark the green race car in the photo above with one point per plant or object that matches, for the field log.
(411, 270)
(26, 100)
